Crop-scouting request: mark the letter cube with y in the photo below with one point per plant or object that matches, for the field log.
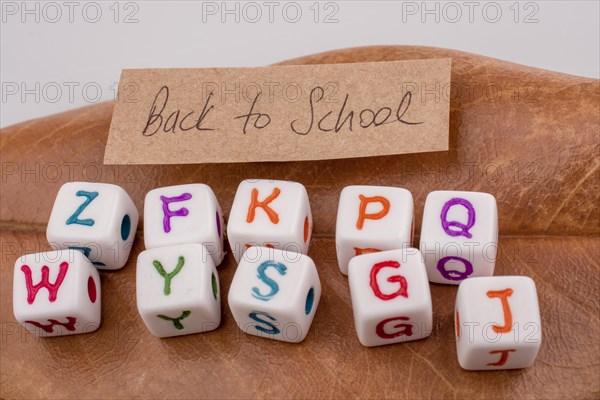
(99, 219)
(459, 235)
(56, 293)
(275, 294)
(498, 323)
(390, 297)
(177, 290)
(270, 214)
(184, 214)
(371, 219)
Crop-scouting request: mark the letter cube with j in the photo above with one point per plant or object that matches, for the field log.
(371, 219)
(184, 214)
(56, 293)
(459, 235)
(275, 294)
(99, 219)
(177, 290)
(390, 297)
(271, 214)
(497, 323)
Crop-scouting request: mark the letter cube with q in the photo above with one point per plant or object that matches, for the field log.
(498, 323)
(184, 214)
(390, 297)
(99, 219)
(371, 219)
(459, 235)
(177, 290)
(270, 214)
(56, 293)
(275, 294)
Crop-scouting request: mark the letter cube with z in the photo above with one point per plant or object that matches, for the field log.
(177, 290)
(56, 293)
(498, 323)
(390, 295)
(459, 235)
(270, 214)
(184, 214)
(371, 219)
(99, 219)
(275, 294)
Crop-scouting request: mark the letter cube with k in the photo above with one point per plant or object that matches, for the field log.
(98, 219)
(270, 214)
(178, 290)
(459, 235)
(56, 293)
(372, 219)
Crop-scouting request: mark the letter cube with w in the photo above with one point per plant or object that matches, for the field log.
(270, 214)
(98, 219)
(275, 294)
(390, 297)
(177, 290)
(56, 293)
(459, 235)
(372, 219)
(184, 214)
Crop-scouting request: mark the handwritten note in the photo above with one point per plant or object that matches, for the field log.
(280, 113)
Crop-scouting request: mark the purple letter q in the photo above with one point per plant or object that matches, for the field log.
(464, 229)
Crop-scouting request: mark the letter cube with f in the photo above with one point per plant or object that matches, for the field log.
(275, 294)
(497, 323)
(184, 214)
(271, 214)
(371, 219)
(56, 293)
(459, 235)
(99, 219)
(177, 290)
(390, 297)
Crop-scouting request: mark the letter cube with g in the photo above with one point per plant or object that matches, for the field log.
(275, 294)
(99, 219)
(271, 214)
(56, 293)
(371, 219)
(459, 235)
(498, 323)
(390, 297)
(177, 290)
(184, 214)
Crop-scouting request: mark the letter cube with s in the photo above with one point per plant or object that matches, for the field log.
(56, 293)
(99, 219)
(184, 214)
(271, 214)
(371, 219)
(275, 294)
(498, 323)
(459, 235)
(390, 297)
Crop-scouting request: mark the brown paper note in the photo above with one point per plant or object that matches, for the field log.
(280, 113)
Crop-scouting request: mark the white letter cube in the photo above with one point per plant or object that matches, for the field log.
(98, 219)
(56, 293)
(390, 295)
(498, 323)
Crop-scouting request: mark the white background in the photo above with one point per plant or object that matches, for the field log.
(61, 55)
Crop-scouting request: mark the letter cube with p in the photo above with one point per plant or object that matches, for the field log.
(271, 214)
(99, 219)
(184, 214)
(371, 219)
(275, 294)
(498, 323)
(459, 235)
(390, 297)
(56, 293)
